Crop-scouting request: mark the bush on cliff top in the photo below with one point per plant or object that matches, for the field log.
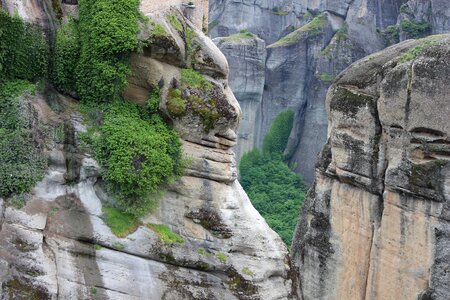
(274, 189)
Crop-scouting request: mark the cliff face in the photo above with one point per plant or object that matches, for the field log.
(375, 224)
(305, 52)
(58, 245)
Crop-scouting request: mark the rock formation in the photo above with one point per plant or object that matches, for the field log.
(375, 224)
(308, 44)
(58, 246)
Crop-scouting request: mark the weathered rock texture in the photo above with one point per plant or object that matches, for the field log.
(298, 73)
(59, 247)
(375, 224)
(247, 57)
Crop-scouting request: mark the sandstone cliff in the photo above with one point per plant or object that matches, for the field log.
(375, 224)
(308, 44)
(58, 246)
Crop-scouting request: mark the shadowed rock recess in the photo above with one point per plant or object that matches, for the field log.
(58, 245)
(376, 223)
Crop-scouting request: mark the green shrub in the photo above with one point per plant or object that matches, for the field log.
(138, 153)
(66, 56)
(166, 235)
(221, 257)
(415, 29)
(412, 53)
(241, 35)
(158, 31)
(21, 163)
(121, 224)
(153, 100)
(277, 138)
(277, 11)
(247, 271)
(325, 77)
(193, 79)
(23, 49)
(391, 35)
(175, 104)
(312, 29)
(108, 33)
(173, 20)
(274, 189)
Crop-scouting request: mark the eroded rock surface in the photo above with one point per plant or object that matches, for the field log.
(58, 246)
(375, 223)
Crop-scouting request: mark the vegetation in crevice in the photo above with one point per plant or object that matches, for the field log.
(278, 11)
(173, 20)
(275, 190)
(120, 223)
(415, 29)
(241, 35)
(325, 77)
(312, 29)
(221, 257)
(412, 53)
(340, 36)
(391, 35)
(197, 95)
(167, 236)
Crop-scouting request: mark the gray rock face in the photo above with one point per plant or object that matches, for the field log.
(58, 245)
(247, 57)
(299, 73)
(375, 223)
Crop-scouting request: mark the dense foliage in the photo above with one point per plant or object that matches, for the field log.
(21, 165)
(415, 29)
(108, 33)
(138, 153)
(137, 150)
(276, 139)
(66, 56)
(23, 49)
(275, 190)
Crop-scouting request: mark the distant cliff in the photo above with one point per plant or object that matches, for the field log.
(375, 224)
(299, 48)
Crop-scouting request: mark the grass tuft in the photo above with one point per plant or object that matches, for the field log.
(121, 224)
(166, 235)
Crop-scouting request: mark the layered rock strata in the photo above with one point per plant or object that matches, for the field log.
(58, 245)
(376, 222)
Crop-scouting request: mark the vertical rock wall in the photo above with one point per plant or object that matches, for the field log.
(375, 223)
